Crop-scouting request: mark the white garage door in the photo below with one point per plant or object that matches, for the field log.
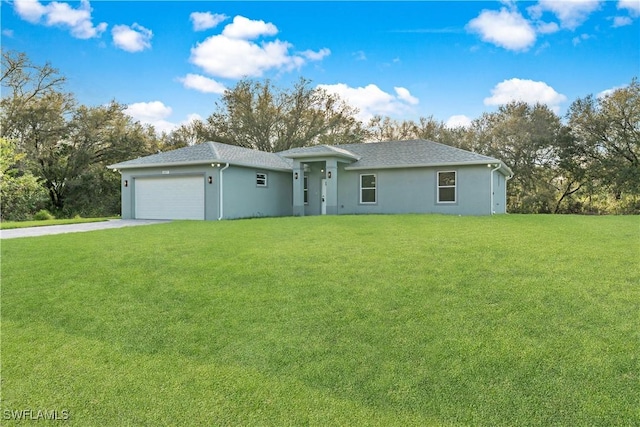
(178, 197)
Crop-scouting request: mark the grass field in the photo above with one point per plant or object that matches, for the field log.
(350, 320)
(8, 225)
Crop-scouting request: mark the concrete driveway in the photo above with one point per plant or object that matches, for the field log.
(75, 228)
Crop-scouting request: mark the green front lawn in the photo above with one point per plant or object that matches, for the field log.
(349, 320)
(8, 225)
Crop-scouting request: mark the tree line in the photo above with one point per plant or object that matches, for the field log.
(54, 151)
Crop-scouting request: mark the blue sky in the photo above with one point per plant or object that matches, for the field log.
(453, 60)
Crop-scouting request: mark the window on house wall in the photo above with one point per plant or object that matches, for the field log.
(306, 189)
(368, 191)
(261, 179)
(447, 187)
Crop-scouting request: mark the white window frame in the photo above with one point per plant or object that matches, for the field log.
(374, 188)
(454, 186)
(261, 176)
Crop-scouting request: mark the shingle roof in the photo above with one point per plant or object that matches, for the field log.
(210, 152)
(413, 153)
(249, 157)
(318, 151)
(375, 155)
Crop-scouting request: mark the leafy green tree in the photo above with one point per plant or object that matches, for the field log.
(573, 176)
(21, 194)
(523, 136)
(66, 145)
(33, 114)
(606, 141)
(381, 128)
(23, 83)
(261, 116)
(191, 133)
(97, 137)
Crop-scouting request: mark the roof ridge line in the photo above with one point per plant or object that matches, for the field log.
(214, 149)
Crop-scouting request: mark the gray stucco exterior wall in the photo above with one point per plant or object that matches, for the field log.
(414, 190)
(406, 190)
(243, 198)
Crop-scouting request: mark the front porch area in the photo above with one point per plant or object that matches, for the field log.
(315, 179)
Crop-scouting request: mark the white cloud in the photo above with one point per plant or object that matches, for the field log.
(579, 39)
(633, 6)
(542, 48)
(132, 39)
(202, 84)
(405, 96)
(528, 91)
(205, 20)
(369, 100)
(191, 118)
(62, 13)
(571, 13)
(610, 91)
(155, 113)
(233, 58)
(30, 10)
(7, 33)
(152, 113)
(622, 21)
(148, 111)
(234, 55)
(507, 29)
(316, 56)
(248, 29)
(77, 20)
(359, 55)
(458, 121)
(547, 27)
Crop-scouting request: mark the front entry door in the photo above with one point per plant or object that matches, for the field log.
(323, 199)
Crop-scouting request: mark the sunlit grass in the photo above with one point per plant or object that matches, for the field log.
(349, 320)
(7, 225)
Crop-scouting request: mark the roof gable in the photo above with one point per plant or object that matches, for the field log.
(318, 151)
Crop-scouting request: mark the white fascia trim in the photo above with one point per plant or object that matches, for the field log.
(503, 168)
(196, 162)
(316, 155)
(255, 166)
(164, 164)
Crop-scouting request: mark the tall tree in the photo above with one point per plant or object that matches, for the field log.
(261, 116)
(573, 174)
(523, 136)
(23, 82)
(97, 137)
(193, 132)
(606, 134)
(21, 193)
(66, 145)
(381, 128)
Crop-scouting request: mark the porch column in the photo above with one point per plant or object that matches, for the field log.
(332, 187)
(298, 188)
